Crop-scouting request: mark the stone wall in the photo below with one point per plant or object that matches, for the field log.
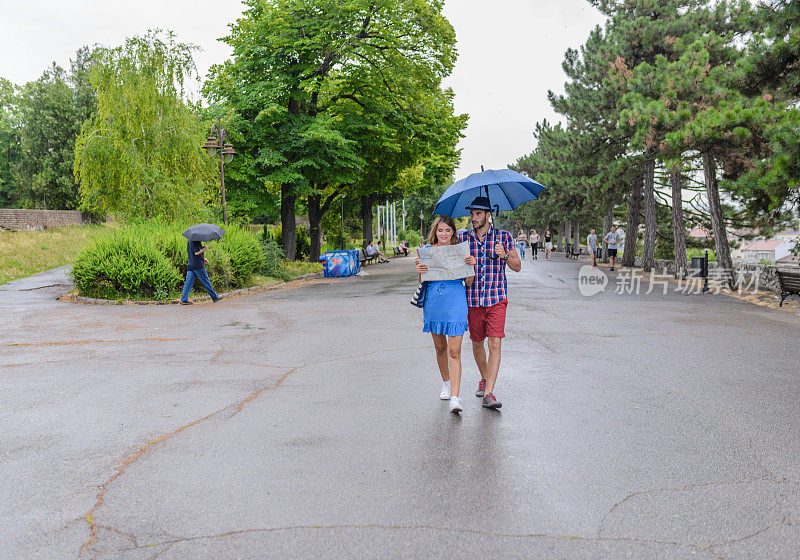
(767, 279)
(20, 219)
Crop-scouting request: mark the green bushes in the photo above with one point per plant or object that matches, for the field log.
(245, 253)
(302, 241)
(124, 264)
(148, 261)
(273, 259)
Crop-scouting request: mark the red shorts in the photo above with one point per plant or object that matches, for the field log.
(487, 321)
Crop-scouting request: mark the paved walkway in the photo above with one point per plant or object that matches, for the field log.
(305, 423)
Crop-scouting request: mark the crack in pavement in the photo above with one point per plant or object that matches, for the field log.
(544, 536)
(752, 535)
(769, 476)
(70, 342)
(760, 464)
(89, 517)
(708, 547)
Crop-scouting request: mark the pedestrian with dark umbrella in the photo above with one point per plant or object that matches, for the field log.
(196, 265)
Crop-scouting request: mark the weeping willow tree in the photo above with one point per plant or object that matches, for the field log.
(140, 154)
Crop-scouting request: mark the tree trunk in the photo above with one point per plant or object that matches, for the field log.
(576, 236)
(288, 226)
(607, 221)
(634, 215)
(649, 250)
(366, 220)
(559, 240)
(678, 231)
(314, 226)
(717, 219)
(567, 233)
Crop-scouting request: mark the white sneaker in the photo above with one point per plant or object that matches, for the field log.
(455, 404)
(445, 394)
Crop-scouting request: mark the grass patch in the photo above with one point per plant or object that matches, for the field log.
(23, 253)
(299, 268)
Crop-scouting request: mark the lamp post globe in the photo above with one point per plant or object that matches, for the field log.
(226, 152)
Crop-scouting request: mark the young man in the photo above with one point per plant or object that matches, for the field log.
(196, 268)
(490, 251)
(375, 251)
(613, 239)
(591, 241)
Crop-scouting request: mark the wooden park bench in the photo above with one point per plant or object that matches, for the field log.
(365, 259)
(573, 251)
(790, 283)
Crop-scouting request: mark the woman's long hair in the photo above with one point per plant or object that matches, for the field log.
(447, 220)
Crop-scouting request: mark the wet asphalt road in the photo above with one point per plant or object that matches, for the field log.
(305, 423)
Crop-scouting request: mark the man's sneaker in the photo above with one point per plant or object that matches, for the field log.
(455, 405)
(489, 401)
(445, 394)
(186, 303)
(481, 388)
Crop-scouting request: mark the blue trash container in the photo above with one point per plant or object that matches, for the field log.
(339, 264)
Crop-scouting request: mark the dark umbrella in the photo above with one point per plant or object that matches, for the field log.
(204, 232)
(505, 188)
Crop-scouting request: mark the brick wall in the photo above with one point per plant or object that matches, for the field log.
(19, 219)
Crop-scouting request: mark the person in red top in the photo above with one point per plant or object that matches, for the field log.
(491, 250)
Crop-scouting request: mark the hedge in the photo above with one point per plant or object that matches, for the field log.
(148, 260)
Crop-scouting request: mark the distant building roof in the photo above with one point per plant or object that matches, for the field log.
(741, 232)
(699, 233)
(789, 259)
(764, 245)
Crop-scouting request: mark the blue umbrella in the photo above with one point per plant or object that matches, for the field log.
(505, 188)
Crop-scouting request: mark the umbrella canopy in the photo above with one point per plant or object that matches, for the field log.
(505, 188)
(204, 232)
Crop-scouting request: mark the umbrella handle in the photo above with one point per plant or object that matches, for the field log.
(496, 212)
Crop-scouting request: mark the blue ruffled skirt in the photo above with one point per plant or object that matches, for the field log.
(445, 310)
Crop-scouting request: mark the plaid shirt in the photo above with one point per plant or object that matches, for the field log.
(490, 285)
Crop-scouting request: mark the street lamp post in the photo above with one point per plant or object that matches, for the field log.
(217, 141)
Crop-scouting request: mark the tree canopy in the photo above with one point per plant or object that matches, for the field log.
(140, 154)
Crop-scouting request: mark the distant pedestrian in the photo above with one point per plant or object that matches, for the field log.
(196, 268)
(374, 250)
(491, 250)
(444, 314)
(548, 245)
(612, 239)
(522, 240)
(402, 248)
(533, 239)
(591, 241)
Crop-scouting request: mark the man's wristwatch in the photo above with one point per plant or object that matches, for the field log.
(506, 257)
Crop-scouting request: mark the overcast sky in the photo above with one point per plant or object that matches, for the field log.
(510, 53)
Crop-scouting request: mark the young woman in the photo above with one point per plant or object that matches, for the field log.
(534, 241)
(522, 240)
(445, 314)
(548, 244)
